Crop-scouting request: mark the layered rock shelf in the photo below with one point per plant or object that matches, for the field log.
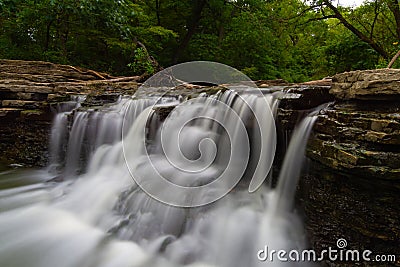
(360, 133)
(352, 186)
(381, 84)
(29, 93)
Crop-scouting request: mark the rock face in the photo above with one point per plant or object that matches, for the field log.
(382, 84)
(361, 137)
(29, 91)
(24, 136)
(352, 189)
(44, 81)
(363, 212)
(297, 102)
(352, 184)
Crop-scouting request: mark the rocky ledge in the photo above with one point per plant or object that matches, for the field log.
(360, 133)
(381, 84)
(29, 92)
(351, 190)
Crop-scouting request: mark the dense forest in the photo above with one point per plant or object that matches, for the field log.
(266, 39)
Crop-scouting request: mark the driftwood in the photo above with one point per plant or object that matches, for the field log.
(95, 73)
(123, 79)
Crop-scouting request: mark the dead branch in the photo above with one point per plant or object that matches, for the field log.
(393, 59)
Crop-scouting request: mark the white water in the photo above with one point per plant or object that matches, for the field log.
(60, 129)
(102, 218)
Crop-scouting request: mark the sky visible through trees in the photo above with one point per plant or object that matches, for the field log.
(349, 3)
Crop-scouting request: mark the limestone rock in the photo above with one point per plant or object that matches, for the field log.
(359, 139)
(39, 71)
(36, 80)
(29, 91)
(380, 84)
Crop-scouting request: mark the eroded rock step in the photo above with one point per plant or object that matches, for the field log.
(360, 133)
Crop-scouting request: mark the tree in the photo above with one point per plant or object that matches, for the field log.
(192, 24)
(364, 21)
(102, 34)
(267, 39)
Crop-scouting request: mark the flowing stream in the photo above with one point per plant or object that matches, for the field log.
(85, 209)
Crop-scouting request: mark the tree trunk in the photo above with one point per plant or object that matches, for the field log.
(47, 41)
(395, 9)
(158, 6)
(193, 24)
(157, 67)
(354, 30)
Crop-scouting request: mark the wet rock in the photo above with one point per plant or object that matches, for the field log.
(36, 115)
(100, 99)
(58, 97)
(9, 113)
(361, 138)
(294, 105)
(163, 112)
(25, 140)
(298, 101)
(25, 104)
(362, 211)
(354, 158)
(302, 97)
(353, 185)
(288, 118)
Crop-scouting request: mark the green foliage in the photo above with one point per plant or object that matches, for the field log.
(99, 34)
(141, 62)
(346, 52)
(265, 39)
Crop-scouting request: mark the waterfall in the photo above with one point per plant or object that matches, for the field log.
(100, 216)
(57, 137)
(60, 129)
(291, 167)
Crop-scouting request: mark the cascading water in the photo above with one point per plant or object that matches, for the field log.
(98, 216)
(60, 128)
